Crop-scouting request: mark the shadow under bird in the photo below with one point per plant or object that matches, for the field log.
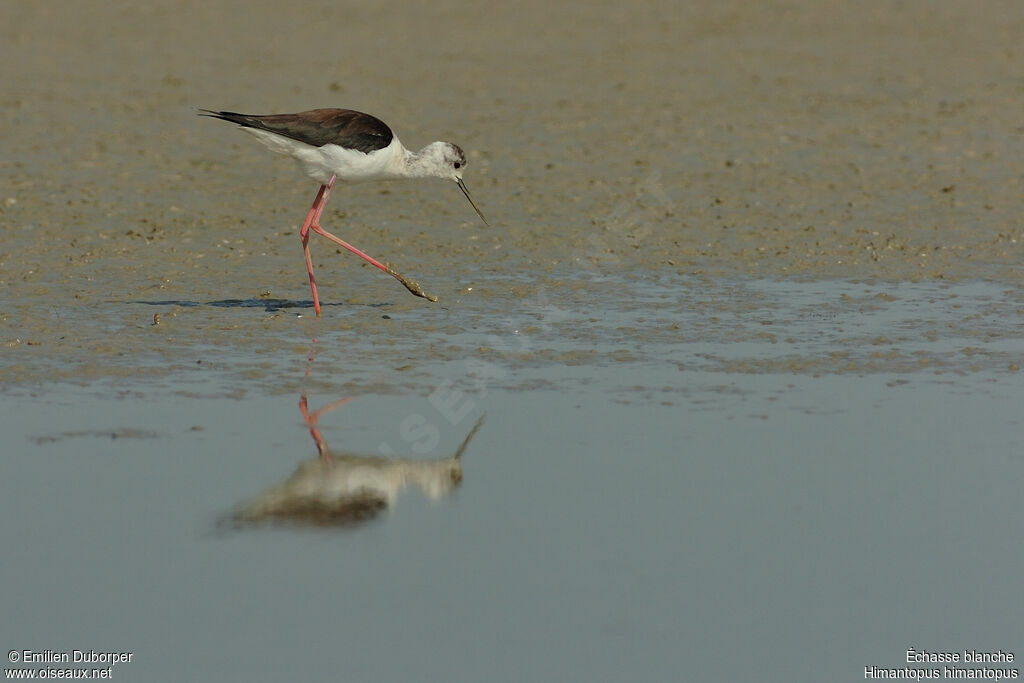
(346, 145)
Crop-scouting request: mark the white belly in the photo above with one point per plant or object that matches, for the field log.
(350, 165)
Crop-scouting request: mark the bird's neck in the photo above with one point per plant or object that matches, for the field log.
(416, 164)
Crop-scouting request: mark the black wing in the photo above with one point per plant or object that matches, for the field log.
(319, 127)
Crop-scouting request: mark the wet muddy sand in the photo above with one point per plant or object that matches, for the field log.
(841, 141)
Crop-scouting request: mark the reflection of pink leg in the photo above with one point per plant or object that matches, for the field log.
(311, 420)
(310, 357)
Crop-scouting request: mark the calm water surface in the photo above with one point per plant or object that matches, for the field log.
(750, 481)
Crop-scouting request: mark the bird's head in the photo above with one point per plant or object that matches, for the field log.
(444, 160)
(448, 161)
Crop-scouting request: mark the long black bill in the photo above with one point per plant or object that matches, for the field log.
(465, 191)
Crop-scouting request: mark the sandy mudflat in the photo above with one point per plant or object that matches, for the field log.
(867, 141)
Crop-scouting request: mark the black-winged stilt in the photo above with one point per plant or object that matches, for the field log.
(341, 144)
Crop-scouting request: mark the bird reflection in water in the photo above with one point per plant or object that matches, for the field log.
(343, 490)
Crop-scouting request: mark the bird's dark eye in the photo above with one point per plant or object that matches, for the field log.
(458, 165)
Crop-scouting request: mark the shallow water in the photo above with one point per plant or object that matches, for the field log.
(714, 476)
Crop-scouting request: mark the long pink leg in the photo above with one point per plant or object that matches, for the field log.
(312, 222)
(314, 217)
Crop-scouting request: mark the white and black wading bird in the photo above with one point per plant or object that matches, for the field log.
(341, 144)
